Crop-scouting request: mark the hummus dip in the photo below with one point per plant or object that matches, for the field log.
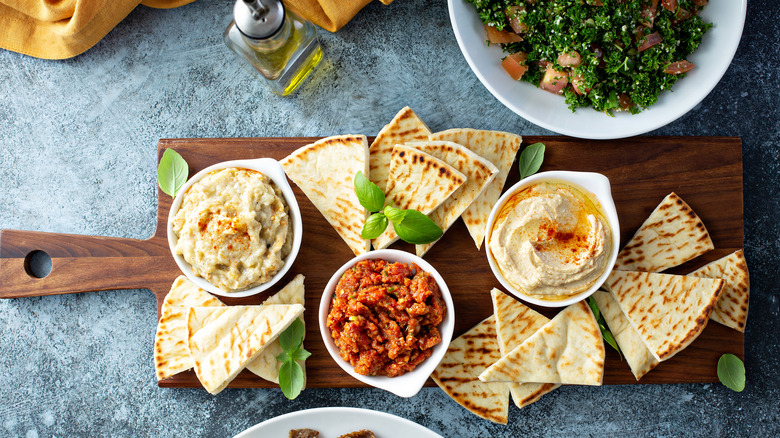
(551, 240)
(233, 228)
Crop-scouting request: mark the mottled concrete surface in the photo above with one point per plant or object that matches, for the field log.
(77, 155)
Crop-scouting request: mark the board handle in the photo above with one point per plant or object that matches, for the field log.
(82, 264)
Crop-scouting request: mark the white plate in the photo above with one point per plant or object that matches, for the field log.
(547, 110)
(334, 422)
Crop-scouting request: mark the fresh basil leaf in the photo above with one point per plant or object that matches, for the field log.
(375, 225)
(292, 337)
(395, 215)
(283, 357)
(291, 379)
(607, 335)
(731, 372)
(417, 228)
(172, 172)
(594, 307)
(531, 159)
(300, 354)
(370, 196)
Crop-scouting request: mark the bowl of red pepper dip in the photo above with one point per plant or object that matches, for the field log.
(387, 319)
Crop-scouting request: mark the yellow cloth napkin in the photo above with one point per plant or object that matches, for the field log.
(59, 29)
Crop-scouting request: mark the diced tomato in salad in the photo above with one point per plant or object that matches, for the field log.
(496, 36)
(554, 81)
(514, 22)
(570, 59)
(679, 67)
(669, 5)
(649, 41)
(514, 64)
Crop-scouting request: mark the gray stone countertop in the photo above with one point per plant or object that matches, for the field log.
(77, 155)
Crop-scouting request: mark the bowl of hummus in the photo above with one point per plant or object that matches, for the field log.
(235, 227)
(387, 319)
(553, 238)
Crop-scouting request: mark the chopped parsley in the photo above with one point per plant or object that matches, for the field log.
(612, 73)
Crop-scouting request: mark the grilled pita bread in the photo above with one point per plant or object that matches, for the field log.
(479, 173)
(233, 337)
(466, 357)
(266, 366)
(404, 127)
(171, 353)
(638, 356)
(515, 323)
(731, 309)
(325, 170)
(568, 349)
(672, 235)
(667, 311)
(417, 181)
(500, 148)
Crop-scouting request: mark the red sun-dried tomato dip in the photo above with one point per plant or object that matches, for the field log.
(384, 317)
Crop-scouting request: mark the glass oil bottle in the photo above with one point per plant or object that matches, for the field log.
(279, 47)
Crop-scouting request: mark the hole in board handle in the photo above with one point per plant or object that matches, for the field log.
(37, 264)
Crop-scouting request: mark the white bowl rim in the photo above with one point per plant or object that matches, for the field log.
(273, 170)
(409, 384)
(719, 54)
(591, 182)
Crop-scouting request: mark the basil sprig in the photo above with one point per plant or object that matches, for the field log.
(731, 372)
(291, 376)
(371, 197)
(605, 333)
(531, 159)
(172, 172)
(410, 225)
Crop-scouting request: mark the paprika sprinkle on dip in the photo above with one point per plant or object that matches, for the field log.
(384, 317)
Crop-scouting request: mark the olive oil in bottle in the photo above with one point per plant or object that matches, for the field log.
(277, 46)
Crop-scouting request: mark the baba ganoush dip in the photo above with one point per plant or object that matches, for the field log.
(233, 228)
(384, 317)
(551, 240)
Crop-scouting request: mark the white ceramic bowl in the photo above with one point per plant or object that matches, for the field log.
(547, 110)
(595, 184)
(409, 384)
(273, 170)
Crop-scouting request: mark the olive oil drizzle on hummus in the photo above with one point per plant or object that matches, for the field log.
(551, 240)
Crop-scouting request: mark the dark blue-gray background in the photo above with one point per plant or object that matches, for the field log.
(77, 155)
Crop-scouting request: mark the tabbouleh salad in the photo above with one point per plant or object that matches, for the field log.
(608, 54)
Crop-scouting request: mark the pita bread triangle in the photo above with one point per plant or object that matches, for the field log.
(731, 309)
(266, 366)
(171, 352)
(479, 173)
(500, 148)
(417, 181)
(515, 323)
(404, 127)
(638, 356)
(568, 349)
(233, 337)
(325, 170)
(672, 235)
(466, 357)
(667, 311)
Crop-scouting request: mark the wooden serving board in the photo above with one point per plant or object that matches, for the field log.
(705, 171)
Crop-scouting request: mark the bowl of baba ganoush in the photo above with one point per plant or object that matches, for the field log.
(552, 238)
(235, 228)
